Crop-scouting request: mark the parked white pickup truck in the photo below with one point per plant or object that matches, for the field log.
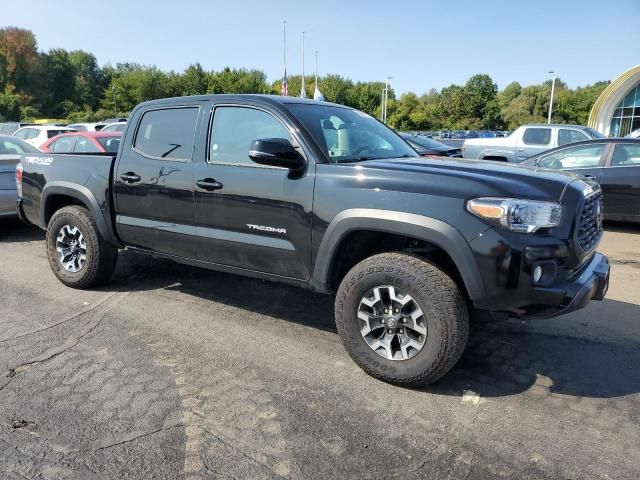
(526, 141)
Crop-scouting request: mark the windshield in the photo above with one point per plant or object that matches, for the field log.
(423, 141)
(348, 135)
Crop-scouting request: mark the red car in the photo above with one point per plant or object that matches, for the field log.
(83, 142)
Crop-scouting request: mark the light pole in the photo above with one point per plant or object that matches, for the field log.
(385, 100)
(553, 87)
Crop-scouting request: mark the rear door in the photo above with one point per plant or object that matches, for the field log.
(252, 216)
(153, 181)
(621, 182)
(534, 140)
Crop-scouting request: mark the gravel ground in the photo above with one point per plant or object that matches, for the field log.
(176, 372)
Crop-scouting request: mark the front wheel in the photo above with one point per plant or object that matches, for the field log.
(78, 255)
(402, 319)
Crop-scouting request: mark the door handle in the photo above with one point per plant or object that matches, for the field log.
(209, 184)
(592, 177)
(130, 177)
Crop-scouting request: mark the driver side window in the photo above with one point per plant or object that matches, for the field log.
(235, 128)
(584, 156)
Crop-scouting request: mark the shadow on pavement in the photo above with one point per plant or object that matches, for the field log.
(501, 359)
(13, 230)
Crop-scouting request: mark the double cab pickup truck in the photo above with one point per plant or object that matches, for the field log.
(526, 141)
(326, 197)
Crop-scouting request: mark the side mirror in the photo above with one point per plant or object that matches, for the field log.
(276, 152)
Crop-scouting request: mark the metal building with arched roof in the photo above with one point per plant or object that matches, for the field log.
(616, 112)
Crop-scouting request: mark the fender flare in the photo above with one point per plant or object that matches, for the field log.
(424, 228)
(87, 198)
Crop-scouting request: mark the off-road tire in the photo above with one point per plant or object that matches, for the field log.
(440, 299)
(101, 256)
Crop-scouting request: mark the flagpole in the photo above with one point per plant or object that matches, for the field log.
(303, 93)
(285, 88)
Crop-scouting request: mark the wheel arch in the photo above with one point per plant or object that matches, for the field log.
(427, 229)
(58, 194)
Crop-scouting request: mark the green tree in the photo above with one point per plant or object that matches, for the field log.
(9, 106)
(54, 84)
(89, 81)
(194, 81)
(238, 81)
(479, 91)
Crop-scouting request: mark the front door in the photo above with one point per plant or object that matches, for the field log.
(251, 216)
(621, 183)
(153, 182)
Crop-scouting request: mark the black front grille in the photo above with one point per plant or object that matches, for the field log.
(589, 222)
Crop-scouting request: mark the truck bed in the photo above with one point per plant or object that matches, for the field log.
(50, 176)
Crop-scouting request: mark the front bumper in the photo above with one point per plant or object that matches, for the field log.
(591, 283)
(506, 267)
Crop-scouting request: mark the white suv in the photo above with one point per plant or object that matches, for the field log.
(36, 135)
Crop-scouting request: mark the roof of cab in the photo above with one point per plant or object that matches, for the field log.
(273, 99)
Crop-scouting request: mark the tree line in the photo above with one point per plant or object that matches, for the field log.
(72, 85)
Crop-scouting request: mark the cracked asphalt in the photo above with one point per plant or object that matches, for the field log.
(175, 372)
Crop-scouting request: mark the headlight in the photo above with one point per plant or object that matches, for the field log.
(515, 214)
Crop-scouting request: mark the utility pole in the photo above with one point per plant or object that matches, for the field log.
(553, 87)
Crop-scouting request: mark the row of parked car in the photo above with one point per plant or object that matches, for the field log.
(613, 162)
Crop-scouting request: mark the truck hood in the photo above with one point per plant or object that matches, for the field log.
(465, 177)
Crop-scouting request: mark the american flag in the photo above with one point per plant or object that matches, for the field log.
(285, 84)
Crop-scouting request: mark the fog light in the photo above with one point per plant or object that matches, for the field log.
(537, 274)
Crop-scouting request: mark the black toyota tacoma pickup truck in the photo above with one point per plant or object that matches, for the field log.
(326, 197)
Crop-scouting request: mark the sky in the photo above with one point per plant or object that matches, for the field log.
(420, 44)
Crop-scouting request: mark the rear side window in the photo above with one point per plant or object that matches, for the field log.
(22, 134)
(110, 144)
(570, 136)
(63, 145)
(84, 145)
(626, 155)
(537, 136)
(34, 133)
(167, 133)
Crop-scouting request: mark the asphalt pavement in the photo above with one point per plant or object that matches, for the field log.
(176, 372)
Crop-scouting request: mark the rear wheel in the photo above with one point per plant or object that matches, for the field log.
(402, 319)
(78, 255)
